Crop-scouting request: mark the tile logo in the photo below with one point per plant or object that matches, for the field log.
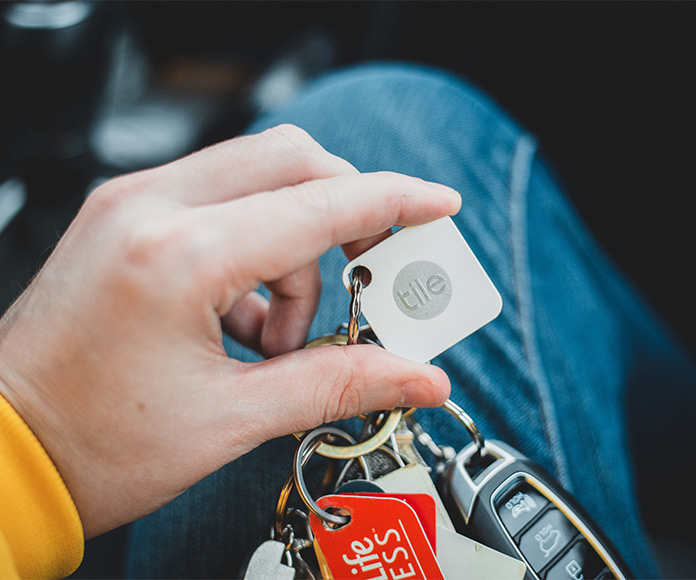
(422, 290)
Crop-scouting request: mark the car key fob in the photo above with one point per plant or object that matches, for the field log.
(505, 501)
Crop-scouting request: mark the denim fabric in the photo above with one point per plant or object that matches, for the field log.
(550, 375)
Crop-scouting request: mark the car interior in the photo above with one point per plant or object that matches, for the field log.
(89, 91)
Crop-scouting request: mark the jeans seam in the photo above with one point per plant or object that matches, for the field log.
(520, 172)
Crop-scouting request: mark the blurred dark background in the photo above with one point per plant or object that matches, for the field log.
(91, 90)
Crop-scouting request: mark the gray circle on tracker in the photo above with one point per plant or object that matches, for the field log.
(422, 290)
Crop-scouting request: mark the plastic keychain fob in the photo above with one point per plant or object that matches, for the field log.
(505, 501)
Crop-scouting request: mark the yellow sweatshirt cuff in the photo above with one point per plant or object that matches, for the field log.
(38, 518)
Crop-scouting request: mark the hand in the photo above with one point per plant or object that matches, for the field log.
(114, 356)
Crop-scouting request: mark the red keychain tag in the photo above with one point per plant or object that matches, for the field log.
(424, 506)
(384, 540)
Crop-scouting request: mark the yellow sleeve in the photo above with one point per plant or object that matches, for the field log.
(40, 531)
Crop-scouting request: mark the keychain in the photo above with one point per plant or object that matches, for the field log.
(490, 513)
(495, 514)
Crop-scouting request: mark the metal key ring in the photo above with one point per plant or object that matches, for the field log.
(288, 485)
(364, 447)
(468, 422)
(301, 456)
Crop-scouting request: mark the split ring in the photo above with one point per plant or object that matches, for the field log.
(468, 422)
(302, 455)
(311, 447)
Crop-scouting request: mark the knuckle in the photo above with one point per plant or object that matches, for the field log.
(153, 261)
(112, 194)
(154, 243)
(394, 192)
(314, 198)
(348, 403)
(316, 204)
(144, 242)
(343, 399)
(145, 281)
(140, 233)
(300, 152)
(293, 136)
(300, 156)
(105, 199)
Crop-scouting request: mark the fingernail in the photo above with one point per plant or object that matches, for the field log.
(445, 188)
(453, 194)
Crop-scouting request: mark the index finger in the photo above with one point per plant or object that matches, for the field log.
(277, 233)
(278, 157)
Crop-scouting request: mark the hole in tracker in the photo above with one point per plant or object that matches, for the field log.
(364, 273)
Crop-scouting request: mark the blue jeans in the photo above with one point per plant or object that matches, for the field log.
(551, 375)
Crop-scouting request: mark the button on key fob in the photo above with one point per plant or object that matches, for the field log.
(505, 501)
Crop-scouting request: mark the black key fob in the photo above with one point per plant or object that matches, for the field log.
(505, 501)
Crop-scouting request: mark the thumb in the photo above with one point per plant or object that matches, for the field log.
(306, 388)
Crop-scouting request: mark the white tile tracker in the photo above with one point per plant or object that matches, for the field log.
(427, 290)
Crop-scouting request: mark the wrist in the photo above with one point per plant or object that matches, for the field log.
(22, 391)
